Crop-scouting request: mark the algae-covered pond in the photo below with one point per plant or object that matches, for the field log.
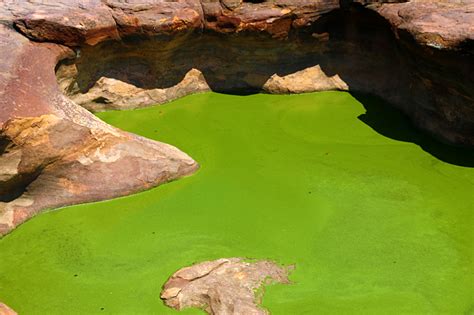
(377, 218)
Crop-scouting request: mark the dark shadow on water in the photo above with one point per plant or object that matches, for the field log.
(391, 123)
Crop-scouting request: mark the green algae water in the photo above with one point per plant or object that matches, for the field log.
(376, 217)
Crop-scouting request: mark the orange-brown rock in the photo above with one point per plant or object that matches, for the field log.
(109, 93)
(5, 310)
(223, 286)
(418, 55)
(55, 153)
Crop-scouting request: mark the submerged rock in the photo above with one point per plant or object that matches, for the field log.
(223, 286)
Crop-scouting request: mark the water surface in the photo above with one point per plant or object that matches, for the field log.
(375, 223)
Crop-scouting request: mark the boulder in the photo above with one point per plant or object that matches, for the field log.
(57, 55)
(55, 153)
(223, 286)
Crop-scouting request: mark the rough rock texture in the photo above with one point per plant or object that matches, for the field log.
(55, 153)
(444, 24)
(417, 55)
(109, 93)
(223, 286)
(308, 80)
(5, 310)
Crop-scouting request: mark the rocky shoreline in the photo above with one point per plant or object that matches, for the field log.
(417, 55)
(59, 58)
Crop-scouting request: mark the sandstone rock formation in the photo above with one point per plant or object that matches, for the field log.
(308, 80)
(5, 310)
(55, 153)
(108, 93)
(417, 55)
(223, 286)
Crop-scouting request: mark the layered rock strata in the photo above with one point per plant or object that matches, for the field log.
(417, 55)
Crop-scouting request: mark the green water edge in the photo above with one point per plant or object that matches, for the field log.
(370, 211)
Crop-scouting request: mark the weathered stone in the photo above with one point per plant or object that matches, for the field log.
(67, 22)
(108, 93)
(223, 286)
(231, 4)
(55, 153)
(307, 80)
(152, 17)
(437, 24)
(63, 162)
(417, 55)
(5, 310)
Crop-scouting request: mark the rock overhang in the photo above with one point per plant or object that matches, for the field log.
(418, 55)
(421, 63)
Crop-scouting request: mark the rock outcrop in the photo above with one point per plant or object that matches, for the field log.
(223, 286)
(308, 80)
(109, 93)
(101, 54)
(416, 55)
(55, 153)
(5, 310)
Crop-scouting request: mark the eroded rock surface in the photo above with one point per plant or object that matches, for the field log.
(109, 93)
(417, 55)
(5, 310)
(308, 80)
(223, 286)
(55, 153)
(443, 24)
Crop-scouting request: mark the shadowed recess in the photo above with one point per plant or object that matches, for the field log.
(391, 123)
